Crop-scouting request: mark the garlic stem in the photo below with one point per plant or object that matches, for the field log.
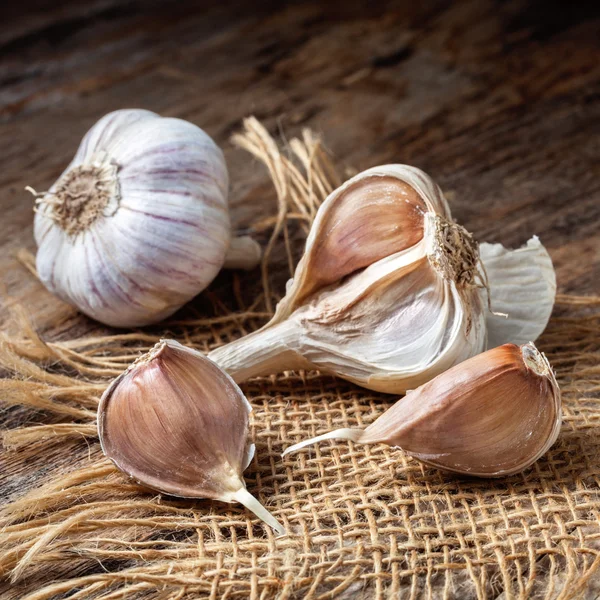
(263, 352)
(243, 496)
(243, 253)
(338, 434)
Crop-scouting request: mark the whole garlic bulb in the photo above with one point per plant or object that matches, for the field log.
(138, 223)
(178, 424)
(389, 291)
(492, 415)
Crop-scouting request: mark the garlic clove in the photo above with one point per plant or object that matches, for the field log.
(494, 414)
(375, 214)
(178, 424)
(522, 286)
(138, 223)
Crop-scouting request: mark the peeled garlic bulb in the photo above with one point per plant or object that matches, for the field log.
(138, 223)
(178, 424)
(493, 415)
(389, 291)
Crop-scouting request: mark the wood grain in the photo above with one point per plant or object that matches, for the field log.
(499, 103)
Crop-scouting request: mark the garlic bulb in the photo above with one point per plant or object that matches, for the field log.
(493, 415)
(389, 291)
(138, 223)
(178, 424)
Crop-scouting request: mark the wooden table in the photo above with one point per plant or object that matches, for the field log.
(497, 101)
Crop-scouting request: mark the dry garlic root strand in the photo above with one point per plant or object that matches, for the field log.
(493, 415)
(391, 292)
(138, 223)
(178, 424)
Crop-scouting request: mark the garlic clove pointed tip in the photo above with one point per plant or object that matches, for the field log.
(338, 434)
(243, 496)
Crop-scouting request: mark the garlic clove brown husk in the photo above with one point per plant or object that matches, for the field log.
(138, 223)
(395, 323)
(176, 423)
(493, 415)
(522, 285)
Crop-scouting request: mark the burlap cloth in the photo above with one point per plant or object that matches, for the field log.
(363, 521)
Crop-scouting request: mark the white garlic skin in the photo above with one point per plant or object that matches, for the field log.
(522, 289)
(161, 242)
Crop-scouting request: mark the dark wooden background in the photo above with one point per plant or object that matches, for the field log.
(498, 101)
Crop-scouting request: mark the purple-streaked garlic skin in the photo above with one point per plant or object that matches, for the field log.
(490, 416)
(178, 424)
(155, 237)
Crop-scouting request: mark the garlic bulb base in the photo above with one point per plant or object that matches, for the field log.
(452, 251)
(244, 253)
(82, 195)
(244, 497)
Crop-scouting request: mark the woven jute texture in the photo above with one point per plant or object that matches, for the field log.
(363, 521)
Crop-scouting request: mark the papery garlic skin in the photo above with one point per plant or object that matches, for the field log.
(377, 213)
(178, 424)
(138, 223)
(492, 415)
(522, 286)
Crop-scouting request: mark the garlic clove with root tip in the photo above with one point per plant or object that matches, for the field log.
(178, 424)
(410, 299)
(138, 223)
(492, 415)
